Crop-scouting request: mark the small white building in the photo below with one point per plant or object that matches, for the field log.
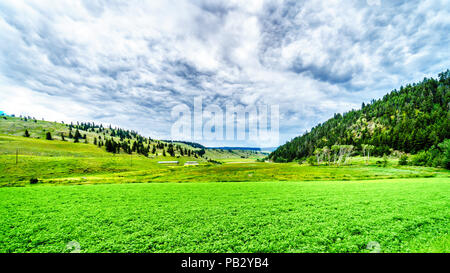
(191, 163)
(168, 162)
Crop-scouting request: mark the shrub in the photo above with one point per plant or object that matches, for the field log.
(420, 159)
(34, 181)
(385, 160)
(445, 148)
(403, 160)
(311, 160)
(437, 162)
(434, 157)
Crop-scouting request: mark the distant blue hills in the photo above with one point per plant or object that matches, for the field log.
(200, 146)
(270, 149)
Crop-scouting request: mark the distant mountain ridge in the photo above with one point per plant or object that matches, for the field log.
(244, 148)
(413, 119)
(192, 144)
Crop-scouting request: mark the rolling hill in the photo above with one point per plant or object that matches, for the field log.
(112, 140)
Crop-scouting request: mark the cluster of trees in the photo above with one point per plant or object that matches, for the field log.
(414, 119)
(192, 144)
(139, 146)
(75, 136)
(185, 151)
(438, 156)
(145, 148)
(27, 118)
(99, 129)
(337, 154)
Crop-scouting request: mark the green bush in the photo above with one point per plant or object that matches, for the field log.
(445, 148)
(403, 160)
(34, 181)
(435, 157)
(311, 160)
(420, 159)
(385, 160)
(280, 160)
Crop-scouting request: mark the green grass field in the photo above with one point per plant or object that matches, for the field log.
(130, 203)
(402, 215)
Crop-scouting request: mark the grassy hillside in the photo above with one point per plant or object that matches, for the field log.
(16, 126)
(333, 216)
(413, 119)
(45, 159)
(58, 162)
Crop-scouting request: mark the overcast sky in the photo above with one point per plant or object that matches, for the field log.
(128, 63)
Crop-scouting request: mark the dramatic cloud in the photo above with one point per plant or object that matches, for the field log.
(129, 63)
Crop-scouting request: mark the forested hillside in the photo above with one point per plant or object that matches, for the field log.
(413, 119)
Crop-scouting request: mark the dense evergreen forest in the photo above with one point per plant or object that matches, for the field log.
(414, 120)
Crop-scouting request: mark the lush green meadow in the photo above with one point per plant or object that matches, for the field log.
(402, 215)
(124, 203)
(58, 162)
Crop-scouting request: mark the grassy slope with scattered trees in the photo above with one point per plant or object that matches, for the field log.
(112, 140)
(413, 120)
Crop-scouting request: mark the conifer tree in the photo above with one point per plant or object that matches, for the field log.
(170, 150)
(77, 134)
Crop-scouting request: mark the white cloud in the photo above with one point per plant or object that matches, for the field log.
(128, 63)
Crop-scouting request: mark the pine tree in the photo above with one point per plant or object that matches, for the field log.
(48, 136)
(77, 134)
(170, 150)
(27, 134)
